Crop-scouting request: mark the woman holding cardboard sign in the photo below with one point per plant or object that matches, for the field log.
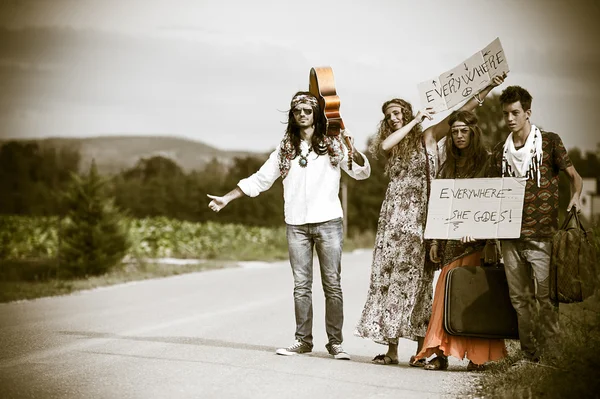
(399, 300)
(466, 158)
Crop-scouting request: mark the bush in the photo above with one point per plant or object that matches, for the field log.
(162, 237)
(94, 237)
(571, 370)
(37, 237)
(28, 237)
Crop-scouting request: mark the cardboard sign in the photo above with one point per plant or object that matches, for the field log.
(465, 80)
(480, 208)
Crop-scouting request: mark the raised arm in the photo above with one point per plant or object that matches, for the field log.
(439, 130)
(397, 136)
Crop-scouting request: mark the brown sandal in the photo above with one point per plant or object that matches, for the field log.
(384, 359)
(417, 363)
(437, 363)
(475, 367)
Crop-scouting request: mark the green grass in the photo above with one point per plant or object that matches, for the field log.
(31, 278)
(24, 237)
(571, 370)
(359, 240)
(27, 237)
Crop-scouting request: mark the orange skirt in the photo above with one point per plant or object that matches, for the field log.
(478, 350)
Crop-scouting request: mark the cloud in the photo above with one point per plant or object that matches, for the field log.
(177, 85)
(222, 71)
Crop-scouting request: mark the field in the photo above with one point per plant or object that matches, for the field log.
(29, 249)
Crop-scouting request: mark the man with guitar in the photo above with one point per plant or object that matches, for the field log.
(309, 162)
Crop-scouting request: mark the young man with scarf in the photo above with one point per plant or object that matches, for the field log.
(310, 164)
(539, 156)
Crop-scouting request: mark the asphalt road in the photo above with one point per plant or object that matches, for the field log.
(203, 335)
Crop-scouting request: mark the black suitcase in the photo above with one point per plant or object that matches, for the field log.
(477, 303)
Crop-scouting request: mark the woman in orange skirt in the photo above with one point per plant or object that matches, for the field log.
(466, 158)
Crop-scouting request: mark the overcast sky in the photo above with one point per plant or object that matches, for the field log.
(223, 72)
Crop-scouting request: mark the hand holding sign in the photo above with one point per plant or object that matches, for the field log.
(467, 239)
(466, 209)
(499, 79)
(466, 79)
(425, 113)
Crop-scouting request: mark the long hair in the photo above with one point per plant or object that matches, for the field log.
(475, 155)
(293, 130)
(384, 131)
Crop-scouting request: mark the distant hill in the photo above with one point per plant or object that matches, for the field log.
(115, 153)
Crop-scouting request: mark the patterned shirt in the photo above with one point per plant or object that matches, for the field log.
(540, 207)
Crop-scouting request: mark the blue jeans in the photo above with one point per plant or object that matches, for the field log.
(327, 238)
(525, 262)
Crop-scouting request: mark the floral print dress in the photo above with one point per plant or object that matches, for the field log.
(399, 300)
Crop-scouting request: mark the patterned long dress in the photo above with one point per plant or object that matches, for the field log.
(399, 300)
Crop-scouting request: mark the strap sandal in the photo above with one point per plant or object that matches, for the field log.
(475, 367)
(417, 363)
(437, 363)
(384, 359)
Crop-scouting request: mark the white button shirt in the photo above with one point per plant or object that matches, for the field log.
(310, 194)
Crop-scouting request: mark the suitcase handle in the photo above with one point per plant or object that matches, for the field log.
(490, 256)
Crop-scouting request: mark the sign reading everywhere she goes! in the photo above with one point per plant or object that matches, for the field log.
(480, 208)
(465, 80)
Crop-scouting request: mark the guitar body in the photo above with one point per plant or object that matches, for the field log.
(322, 86)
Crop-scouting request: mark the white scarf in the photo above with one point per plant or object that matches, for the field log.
(526, 161)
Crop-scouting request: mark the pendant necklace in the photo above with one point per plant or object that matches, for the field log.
(303, 161)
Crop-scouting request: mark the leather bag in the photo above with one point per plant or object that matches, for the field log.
(573, 266)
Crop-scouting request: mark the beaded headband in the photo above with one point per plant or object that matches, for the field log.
(304, 99)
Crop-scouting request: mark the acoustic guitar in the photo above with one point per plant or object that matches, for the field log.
(322, 86)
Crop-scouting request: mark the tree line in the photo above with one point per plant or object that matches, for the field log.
(32, 179)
